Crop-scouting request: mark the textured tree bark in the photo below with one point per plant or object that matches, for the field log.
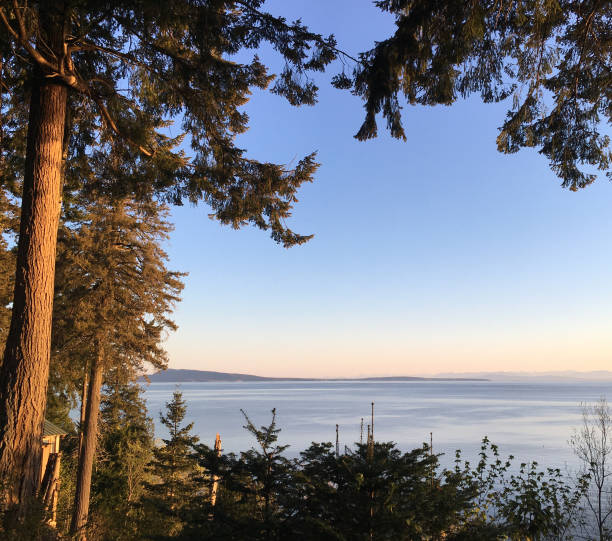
(87, 453)
(25, 367)
(83, 411)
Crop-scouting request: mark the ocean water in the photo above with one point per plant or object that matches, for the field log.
(532, 421)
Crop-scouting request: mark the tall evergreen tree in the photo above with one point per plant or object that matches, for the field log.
(253, 490)
(114, 298)
(173, 468)
(71, 62)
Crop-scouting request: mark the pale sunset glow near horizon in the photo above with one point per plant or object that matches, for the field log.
(437, 254)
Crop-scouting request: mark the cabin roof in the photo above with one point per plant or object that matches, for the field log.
(52, 430)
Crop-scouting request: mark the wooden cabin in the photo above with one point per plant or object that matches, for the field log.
(51, 455)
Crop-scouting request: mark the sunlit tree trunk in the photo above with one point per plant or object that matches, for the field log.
(89, 432)
(25, 367)
(83, 410)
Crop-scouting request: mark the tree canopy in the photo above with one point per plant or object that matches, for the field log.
(145, 99)
(134, 67)
(552, 57)
(106, 80)
(113, 286)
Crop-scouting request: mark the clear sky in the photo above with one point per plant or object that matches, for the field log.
(437, 254)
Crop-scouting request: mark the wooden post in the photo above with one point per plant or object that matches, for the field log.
(55, 489)
(215, 485)
(431, 455)
(372, 422)
(337, 443)
(361, 433)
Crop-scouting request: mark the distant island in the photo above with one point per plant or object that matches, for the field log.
(176, 375)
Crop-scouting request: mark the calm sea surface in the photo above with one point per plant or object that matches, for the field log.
(533, 421)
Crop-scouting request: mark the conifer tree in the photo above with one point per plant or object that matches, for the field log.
(269, 473)
(253, 489)
(173, 468)
(113, 304)
(125, 449)
(553, 58)
(8, 225)
(116, 72)
(375, 492)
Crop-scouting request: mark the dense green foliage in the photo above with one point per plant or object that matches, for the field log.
(125, 450)
(551, 57)
(132, 66)
(375, 491)
(173, 470)
(252, 489)
(114, 294)
(371, 491)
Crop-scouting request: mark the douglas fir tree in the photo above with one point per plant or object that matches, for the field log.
(173, 469)
(113, 306)
(115, 73)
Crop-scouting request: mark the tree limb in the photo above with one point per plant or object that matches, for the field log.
(113, 126)
(7, 24)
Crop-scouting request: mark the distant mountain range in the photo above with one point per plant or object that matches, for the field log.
(174, 375)
(557, 375)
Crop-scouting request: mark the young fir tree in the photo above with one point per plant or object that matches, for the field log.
(269, 473)
(173, 468)
(113, 303)
(251, 494)
(116, 72)
(125, 450)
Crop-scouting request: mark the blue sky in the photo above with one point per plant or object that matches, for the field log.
(432, 255)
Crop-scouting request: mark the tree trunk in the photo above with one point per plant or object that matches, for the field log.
(25, 367)
(89, 433)
(83, 411)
